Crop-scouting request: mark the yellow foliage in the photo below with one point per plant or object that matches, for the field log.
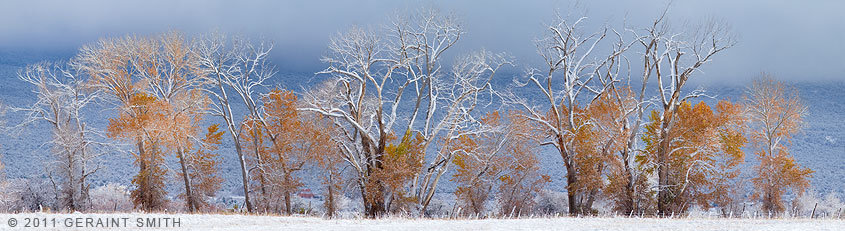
(705, 151)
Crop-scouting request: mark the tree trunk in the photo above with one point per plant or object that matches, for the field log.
(587, 207)
(571, 179)
(189, 196)
(71, 187)
(663, 199)
(366, 203)
(144, 183)
(330, 209)
(229, 118)
(287, 192)
(244, 176)
(571, 195)
(261, 179)
(288, 209)
(628, 201)
(374, 207)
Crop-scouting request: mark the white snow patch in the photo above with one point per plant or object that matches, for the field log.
(830, 139)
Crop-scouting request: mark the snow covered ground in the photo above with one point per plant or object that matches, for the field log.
(241, 222)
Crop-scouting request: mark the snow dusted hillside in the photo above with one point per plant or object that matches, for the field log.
(820, 147)
(241, 222)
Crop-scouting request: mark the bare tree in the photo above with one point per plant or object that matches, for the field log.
(574, 76)
(236, 68)
(6, 196)
(372, 72)
(61, 99)
(455, 97)
(361, 64)
(672, 58)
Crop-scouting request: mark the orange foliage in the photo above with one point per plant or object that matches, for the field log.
(602, 132)
(704, 153)
(776, 113)
(330, 162)
(202, 167)
(612, 133)
(502, 159)
(479, 160)
(400, 163)
(286, 141)
(141, 122)
(521, 179)
(153, 82)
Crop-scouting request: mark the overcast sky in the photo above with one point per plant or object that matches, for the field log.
(795, 40)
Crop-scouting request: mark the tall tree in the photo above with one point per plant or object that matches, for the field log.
(574, 75)
(374, 70)
(61, 99)
(776, 113)
(362, 68)
(155, 82)
(451, 115)
(169, 69)
(109, 63)
(672, 58)
(231, 69)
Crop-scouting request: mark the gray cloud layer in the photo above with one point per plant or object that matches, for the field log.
(796, 40)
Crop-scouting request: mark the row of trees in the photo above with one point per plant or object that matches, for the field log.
(391, 118)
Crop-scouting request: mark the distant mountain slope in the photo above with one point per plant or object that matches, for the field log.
(820, 147)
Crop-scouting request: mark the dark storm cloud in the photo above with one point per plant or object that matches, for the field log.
(796, 40)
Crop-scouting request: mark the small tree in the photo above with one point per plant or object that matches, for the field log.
(615, 119)
(500, 161)
(521, 178)
(330, 161)
(479, 159)
(290, 143)
(602, 133)
(775, 113)
(201, 167)
(287, 140)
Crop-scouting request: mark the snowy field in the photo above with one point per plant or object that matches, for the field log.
(241, 222)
